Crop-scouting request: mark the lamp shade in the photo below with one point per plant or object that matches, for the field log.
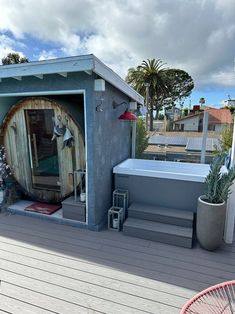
(127, 116)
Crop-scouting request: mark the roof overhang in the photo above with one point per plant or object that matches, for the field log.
(63, 66)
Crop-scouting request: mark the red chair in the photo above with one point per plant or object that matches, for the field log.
(218, 299)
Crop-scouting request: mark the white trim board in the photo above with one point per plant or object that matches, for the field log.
(86, 63)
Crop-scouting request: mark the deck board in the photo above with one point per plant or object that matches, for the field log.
(51, 268)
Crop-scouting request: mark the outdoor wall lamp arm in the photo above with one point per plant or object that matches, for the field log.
(115, 105)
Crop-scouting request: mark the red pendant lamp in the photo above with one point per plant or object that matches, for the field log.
(127, 116)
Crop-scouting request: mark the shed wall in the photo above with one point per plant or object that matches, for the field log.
(112, 144)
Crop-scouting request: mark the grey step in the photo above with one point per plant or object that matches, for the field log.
(159, 232)
(74, 210)
(161, 214)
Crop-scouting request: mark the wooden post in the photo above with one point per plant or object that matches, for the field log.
(230, 213)
(204, 137)
(147, 107)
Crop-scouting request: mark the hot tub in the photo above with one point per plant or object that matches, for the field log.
(162, 183)
(163, 169)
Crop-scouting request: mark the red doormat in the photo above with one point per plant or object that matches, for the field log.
(43, 208)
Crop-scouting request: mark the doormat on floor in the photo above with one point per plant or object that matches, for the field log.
(43, 208)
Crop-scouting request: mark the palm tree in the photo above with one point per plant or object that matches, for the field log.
(13, 58)
(153, 73)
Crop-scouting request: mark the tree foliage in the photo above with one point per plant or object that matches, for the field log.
(180, 86)
(166, 86)
(151, 72)
(141, 137)
(14, 58)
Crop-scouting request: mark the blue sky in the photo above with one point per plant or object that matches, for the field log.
(197, 36)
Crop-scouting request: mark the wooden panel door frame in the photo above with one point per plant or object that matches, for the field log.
(44, 180)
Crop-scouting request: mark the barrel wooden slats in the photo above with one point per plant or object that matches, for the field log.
(17, 148)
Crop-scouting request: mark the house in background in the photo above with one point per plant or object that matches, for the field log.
(60, 116)
(173, 113)
(217, 120)
(229, 102)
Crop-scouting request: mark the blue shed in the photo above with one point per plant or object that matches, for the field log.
(60, 116)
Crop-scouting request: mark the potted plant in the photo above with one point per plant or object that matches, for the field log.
(5, 176)
(211, 210)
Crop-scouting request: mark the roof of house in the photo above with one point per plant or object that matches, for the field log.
(62, 66)
(216, 116)
(187, 117)
(220, 116)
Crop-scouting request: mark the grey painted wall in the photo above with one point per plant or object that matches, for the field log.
(111, 146)
(161, 192)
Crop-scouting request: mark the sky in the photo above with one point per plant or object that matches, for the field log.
(197, 36)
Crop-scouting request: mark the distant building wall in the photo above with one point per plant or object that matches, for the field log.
(189, 124)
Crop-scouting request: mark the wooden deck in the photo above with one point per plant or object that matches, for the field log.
(51, 268)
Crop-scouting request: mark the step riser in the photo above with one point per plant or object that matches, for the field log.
(158, 236)
(160, 218)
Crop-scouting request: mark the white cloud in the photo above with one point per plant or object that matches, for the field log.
(45, 55)
(198, 36)
(8, 45)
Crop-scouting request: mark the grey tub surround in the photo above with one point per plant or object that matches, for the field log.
(163, 198)
(169, 193)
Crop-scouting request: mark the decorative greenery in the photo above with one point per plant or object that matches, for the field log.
(231, 108)
(218, 183)
(141, 137)
(225, 142)
(185, 111)
(5, 170)
(14, 58)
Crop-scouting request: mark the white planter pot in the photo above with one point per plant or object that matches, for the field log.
(210, 223)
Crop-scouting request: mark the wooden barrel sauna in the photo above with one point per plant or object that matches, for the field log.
(44, 146)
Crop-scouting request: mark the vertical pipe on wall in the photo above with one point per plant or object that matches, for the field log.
(204, 137)
(133, 143)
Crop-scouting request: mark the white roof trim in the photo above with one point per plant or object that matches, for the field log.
(64, 74)
(40, 76)
(18, 78)
(63, 66)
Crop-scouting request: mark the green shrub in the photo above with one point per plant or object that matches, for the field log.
(141, 137)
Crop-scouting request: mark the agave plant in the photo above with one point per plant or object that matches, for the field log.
(218, 182)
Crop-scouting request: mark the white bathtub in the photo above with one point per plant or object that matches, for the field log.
(163, 169)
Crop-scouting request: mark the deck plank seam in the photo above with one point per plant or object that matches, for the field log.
(170, 273)
(53, 297)
(76, 291)
(104, 246)
(117, 242)
(33, 305)
(98, 285)
(149, 267)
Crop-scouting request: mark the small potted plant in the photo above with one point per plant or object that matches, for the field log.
(5, 173)
(211, 210)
